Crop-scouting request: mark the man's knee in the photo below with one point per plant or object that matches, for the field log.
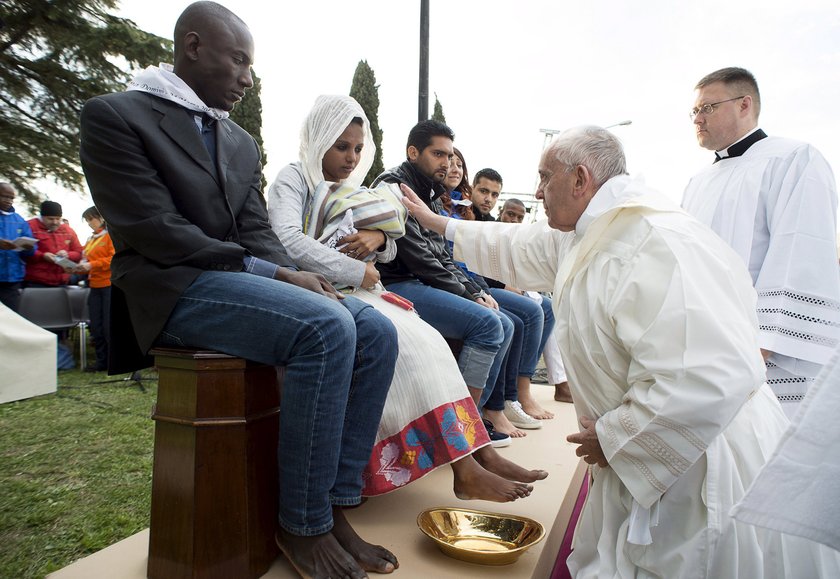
(375, 328)
(372, 327)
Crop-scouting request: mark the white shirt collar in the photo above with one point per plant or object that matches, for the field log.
(611, 193)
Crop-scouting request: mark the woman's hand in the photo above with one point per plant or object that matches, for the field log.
(371, 276)
(488, 302)
(361, 244)
(314, 282)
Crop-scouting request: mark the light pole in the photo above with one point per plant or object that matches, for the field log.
(423, 92)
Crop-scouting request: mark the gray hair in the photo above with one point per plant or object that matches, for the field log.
(595, 148)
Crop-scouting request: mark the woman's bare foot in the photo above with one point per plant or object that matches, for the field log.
(472, 481)
(528, 402)
(502, 424)
(371, 557)
(318, 557)
(562, 392)
(494, 462)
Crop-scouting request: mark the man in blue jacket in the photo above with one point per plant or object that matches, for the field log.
(12, 265)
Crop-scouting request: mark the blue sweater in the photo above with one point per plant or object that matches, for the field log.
(12, 266)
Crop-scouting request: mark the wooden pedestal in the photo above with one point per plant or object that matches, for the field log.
(214, 484)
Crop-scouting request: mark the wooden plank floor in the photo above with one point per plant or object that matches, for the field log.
(390, 520)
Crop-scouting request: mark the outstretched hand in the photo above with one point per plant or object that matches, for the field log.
(590, 446)
(421, 212)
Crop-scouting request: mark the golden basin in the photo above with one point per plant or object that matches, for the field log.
(478, 536)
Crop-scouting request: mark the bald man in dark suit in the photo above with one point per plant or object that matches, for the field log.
(197, 264)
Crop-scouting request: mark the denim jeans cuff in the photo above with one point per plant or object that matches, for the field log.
(345, 501)
(306, 531)
(475, 365)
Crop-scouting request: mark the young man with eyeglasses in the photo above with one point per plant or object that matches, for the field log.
(774, 200)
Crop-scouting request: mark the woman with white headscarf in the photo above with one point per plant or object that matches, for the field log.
(430, 418)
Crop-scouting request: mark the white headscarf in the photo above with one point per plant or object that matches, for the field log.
(328, 118)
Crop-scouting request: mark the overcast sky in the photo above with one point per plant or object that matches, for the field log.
(504, 70)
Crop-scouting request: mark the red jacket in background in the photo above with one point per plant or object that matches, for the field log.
(39, 270)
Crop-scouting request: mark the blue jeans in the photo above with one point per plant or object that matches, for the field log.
(529, 338)
(486, 333)
(339, 359)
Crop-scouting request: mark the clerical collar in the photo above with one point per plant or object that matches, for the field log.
(740, 146)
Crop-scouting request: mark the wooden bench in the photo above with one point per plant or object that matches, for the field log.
(214, 481)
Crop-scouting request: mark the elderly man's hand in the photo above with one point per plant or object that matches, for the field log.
(307, 280)
(590, 447)
(421, 212)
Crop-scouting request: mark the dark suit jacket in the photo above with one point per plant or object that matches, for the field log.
(170, 213)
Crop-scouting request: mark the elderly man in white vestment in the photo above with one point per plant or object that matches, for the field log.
(656, 319)
(774, 201)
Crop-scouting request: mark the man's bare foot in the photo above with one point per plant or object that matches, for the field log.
(472, 481)
(371, 557)
(318, 557)
(502, 424)
(562, 392)
(528, 402)
(494, 462)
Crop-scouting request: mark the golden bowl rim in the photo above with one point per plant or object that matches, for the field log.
(523, 518)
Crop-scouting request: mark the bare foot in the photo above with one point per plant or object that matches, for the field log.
(318, 557)
(494, 462)
(371, 557)
(472, 481)
(502, 424)
(562, 392)
(528, 402)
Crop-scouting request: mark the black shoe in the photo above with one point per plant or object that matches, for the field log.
(497, 439)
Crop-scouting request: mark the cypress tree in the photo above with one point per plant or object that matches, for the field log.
(438, 115)
(248, 115)
(365, 90)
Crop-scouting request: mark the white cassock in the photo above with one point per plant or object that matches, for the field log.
(776, 206)
(797, 491)
(656, 323)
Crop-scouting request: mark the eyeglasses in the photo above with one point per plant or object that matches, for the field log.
(709, 108)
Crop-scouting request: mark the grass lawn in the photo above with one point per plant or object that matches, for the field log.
(75, 471)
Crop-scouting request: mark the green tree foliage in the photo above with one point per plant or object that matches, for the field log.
(438, 115)
(365, 90)
(248, 115)
(54, 55)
